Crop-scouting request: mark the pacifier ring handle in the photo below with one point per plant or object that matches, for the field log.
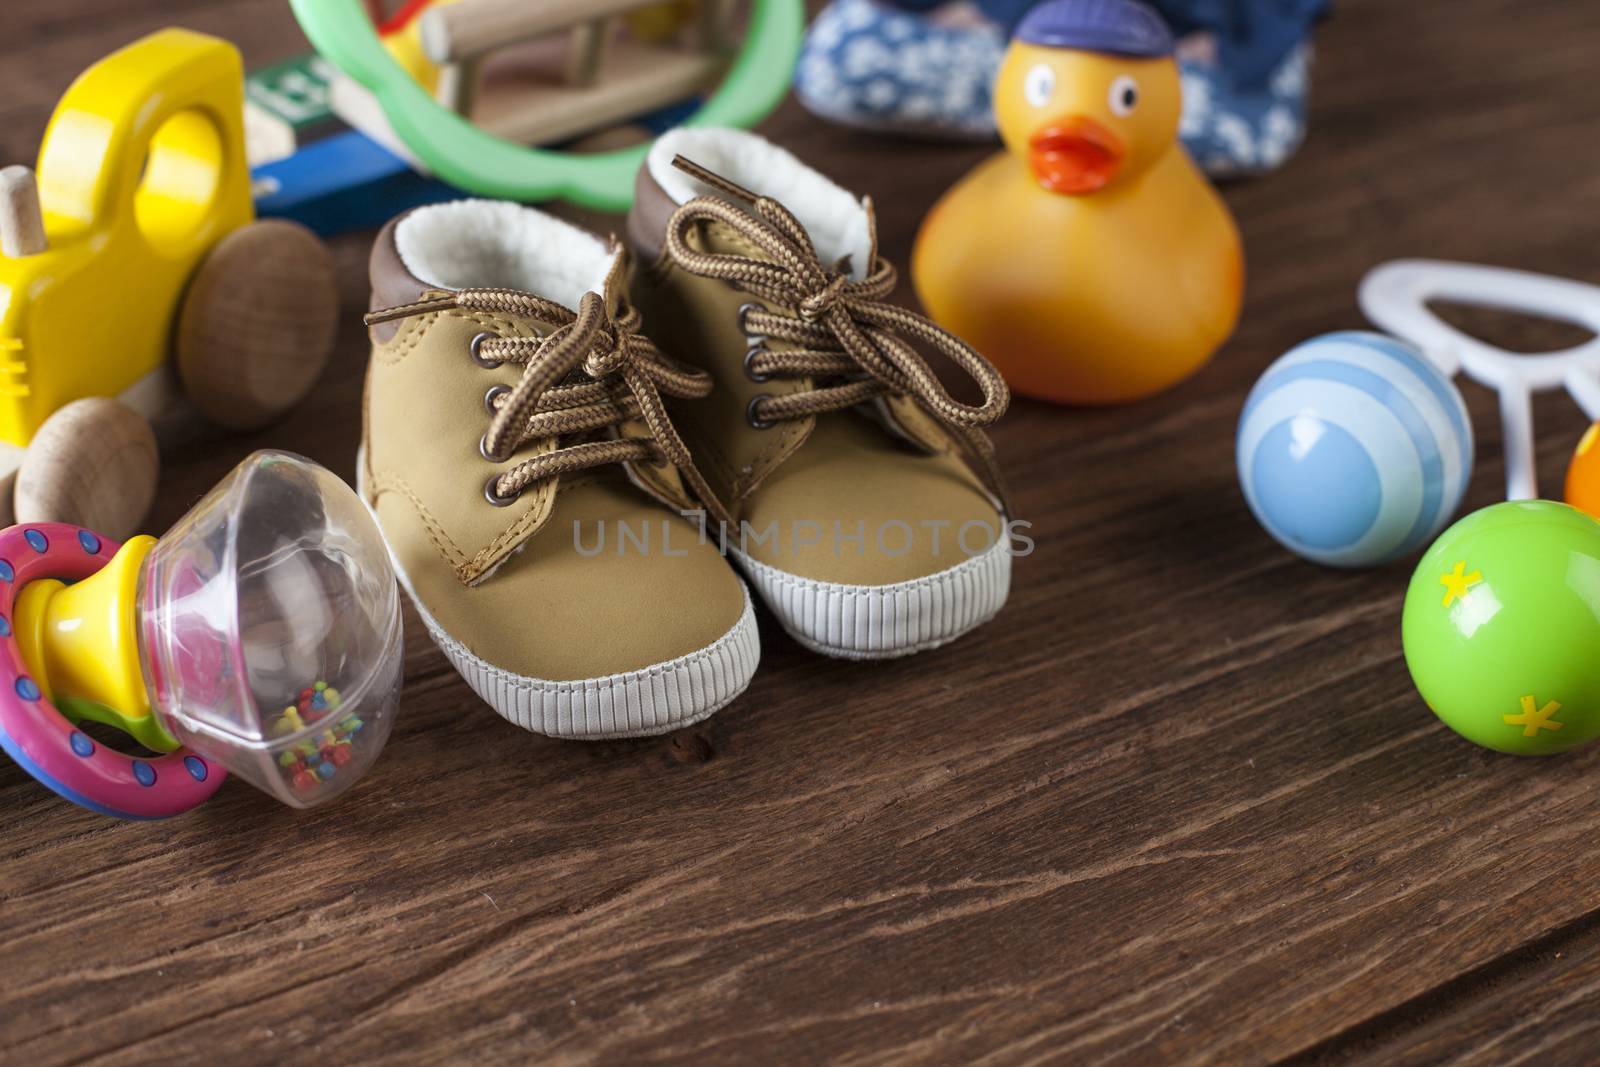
(1584, 387)
(42, 740)
(1395, 297)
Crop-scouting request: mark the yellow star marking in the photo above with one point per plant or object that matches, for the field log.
(1534, 718)
(1456, 583)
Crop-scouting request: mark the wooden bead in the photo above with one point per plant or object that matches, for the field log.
(21, 220)
(94, 464)
(10, 462)
(257, 324)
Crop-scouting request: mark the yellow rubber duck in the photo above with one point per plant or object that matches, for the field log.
(1091, 261)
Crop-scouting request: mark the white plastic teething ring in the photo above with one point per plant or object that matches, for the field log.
(1395, 297)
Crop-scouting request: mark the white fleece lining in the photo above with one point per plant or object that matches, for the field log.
(835, 219)
(497, 244)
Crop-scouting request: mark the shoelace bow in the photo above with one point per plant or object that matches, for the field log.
(842, 329)
(627, 376)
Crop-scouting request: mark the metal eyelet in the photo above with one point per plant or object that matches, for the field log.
(483, 450)
(749, 357)
(476, 346)
(744, 323)
(750, 413)
(490, 396)
(492, 495)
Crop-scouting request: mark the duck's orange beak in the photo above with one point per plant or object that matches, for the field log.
(1076, 156)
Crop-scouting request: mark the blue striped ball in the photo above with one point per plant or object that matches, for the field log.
(1354, 450)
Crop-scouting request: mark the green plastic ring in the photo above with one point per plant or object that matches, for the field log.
(482, 163)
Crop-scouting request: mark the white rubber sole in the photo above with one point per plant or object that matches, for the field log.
(885, 621)
(651, 700)
(639, 703)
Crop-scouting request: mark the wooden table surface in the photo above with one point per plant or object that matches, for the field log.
(1178, 803)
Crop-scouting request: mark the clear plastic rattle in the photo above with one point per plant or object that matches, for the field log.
(260, 636)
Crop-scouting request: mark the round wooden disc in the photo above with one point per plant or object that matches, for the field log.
(257, 324)
(93, 464)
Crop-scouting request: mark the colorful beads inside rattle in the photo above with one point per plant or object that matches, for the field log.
(1353, 449)
(317, 757)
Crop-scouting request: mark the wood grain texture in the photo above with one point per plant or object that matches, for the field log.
(21, 224)
(474, 28)
(1179, 803)
(257, 324)
(94, 464)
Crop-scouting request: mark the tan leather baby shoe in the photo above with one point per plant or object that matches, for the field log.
(866, 506)
(524, 472)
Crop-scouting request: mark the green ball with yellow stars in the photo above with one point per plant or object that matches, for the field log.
(1502, 627)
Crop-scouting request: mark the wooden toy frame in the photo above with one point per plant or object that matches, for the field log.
(488, 165)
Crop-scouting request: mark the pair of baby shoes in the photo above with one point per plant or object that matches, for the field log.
(574, 452)
(927, 68)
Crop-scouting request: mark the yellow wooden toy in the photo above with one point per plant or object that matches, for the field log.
(141, 175)
(1091, 261)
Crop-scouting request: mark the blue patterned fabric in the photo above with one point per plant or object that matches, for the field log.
(1253, 36)
(867, 64)
(876, 66)
(1233, 131)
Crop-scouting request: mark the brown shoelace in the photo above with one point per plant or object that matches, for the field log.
(627, 375)
(843, 332)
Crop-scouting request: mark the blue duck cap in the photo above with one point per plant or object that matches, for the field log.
(1119, 27)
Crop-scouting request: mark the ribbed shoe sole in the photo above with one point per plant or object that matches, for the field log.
(885, 621)
(651, 700)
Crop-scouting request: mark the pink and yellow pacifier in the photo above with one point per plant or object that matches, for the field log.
(261, 636)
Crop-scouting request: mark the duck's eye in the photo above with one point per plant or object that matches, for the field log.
(1039, 84)
(1124, 96)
